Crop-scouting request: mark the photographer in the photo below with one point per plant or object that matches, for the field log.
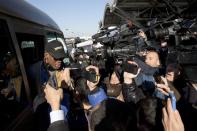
(114, 86)
(149, 68)
(114, 82)
(85, 88)
(142, 41)
(173, 76)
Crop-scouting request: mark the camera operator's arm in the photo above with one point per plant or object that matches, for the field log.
(129, 90)
(171, 119)
(97, 94)
(143, 35)
(54, 97)
(143, 38)
(129, 76)
(93, 85)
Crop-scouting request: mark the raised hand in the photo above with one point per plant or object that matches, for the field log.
(171, 119)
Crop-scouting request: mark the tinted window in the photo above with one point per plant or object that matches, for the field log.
(32, 47)
(12, 92)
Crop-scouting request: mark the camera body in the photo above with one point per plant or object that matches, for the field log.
(76, 73)
(130, 68)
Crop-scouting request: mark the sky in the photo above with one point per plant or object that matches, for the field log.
(74, 17)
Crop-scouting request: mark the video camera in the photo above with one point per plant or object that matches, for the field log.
(182, 42)
(180, 29)
(118, 43)
(90, 75)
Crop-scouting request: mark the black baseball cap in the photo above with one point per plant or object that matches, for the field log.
(56, 49)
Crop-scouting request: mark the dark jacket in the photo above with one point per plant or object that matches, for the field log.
(58, 126)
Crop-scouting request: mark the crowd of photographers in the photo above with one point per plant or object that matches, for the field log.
(142, 93)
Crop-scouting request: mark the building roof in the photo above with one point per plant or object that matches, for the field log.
(140, 11)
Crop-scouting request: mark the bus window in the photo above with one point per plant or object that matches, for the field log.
(51, 36)
(12, 92)
(62, 40)
(32, 48)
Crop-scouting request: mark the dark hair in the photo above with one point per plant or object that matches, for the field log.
(146, 114)
(173, 67)
(113, 115)
(8, 56)
(82, 88)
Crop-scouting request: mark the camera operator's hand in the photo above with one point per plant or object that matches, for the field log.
(171, 119)
(163, 88)
(129, 76)
(90, 84)
(65, 76)
(142, 34)
(53, 96)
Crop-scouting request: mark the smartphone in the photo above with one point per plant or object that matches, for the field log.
(75, 73)
(53, 81)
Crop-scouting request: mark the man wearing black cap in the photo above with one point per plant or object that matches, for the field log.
(54, 54)
(39, 75)
(40, 72)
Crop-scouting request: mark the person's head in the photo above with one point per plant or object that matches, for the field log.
(10, 63)
(172, 71)
(152, 59)
(146, 114)
(54, 54)
(190, 74)
(113, 115)
(114, 87)
(81, 88)
(129, 23)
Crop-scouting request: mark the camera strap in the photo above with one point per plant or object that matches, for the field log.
(97, 97)
(173, 100)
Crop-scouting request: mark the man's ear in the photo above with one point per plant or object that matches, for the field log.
(158, 62)
(46, 57)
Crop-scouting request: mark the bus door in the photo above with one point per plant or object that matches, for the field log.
(13, 96)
